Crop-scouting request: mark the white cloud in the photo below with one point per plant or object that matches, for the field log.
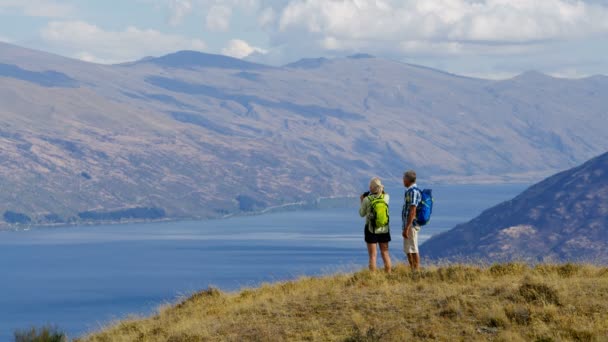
(38, 8)
(247, 5)
(88, 57)
(90, 42)
(178, 10)
(403, 24)
(568, 73)
(218, 18)
(240, 49)
(267, 17)
(475, 37)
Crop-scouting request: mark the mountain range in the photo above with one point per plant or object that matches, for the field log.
(194, 135)
(563, 218)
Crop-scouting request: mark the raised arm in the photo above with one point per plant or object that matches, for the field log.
(364, 207)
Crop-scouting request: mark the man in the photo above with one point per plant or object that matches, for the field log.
(411, 228)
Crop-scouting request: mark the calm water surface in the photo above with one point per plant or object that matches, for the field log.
(81, 278)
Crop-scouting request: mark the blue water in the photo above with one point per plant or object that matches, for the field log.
(82, 278)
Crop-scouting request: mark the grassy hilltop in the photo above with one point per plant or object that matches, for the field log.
(503, 302)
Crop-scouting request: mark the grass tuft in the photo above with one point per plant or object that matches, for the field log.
(539, 293)
(501, 270)
(369, 335)
(520, 315)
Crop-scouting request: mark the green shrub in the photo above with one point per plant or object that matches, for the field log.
(43, 334)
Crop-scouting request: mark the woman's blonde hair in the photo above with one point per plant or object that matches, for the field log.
(375, 186)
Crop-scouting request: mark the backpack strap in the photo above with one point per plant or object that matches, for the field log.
(374, 198)
(405, 210)
(410, 190)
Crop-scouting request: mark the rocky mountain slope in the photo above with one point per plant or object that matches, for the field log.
(192, 135)
(564, 217)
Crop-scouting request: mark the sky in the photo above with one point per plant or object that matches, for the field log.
(482, 38)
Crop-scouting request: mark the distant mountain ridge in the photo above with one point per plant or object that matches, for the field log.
(312, 63)
(154, 138)
(564, 217)
(191, 59)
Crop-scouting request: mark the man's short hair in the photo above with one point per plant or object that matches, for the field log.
(410, 175)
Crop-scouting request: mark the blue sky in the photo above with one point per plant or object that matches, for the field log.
(486, 38)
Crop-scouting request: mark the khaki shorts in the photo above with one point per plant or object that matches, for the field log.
(410, 246)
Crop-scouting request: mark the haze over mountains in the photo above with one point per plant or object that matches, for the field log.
(192, 135)
(563, 218)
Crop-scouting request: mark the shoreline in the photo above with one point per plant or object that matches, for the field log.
(337, 201)
(293, 206)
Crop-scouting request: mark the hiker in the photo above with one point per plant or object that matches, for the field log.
(374, 207)
(413, 197)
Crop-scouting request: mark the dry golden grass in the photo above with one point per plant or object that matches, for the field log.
(503, 302)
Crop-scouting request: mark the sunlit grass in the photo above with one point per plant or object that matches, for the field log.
(502, 302)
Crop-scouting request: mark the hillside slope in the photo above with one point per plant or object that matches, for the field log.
(564, 217)
(192, 135)
(508, 302)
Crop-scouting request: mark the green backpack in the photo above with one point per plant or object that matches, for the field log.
(379, 217)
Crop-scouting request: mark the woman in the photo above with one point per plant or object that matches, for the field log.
(374, 207)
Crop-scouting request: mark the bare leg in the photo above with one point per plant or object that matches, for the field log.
(410, 260)
(372, 252)
(416, 259)
(386, 257)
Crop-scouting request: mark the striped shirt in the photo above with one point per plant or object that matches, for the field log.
(413, 196)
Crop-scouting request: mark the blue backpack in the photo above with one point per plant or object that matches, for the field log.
(425, 208)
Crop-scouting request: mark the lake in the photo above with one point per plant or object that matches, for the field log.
(82, 278)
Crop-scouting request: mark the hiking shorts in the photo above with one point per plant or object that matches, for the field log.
(376, 238)
(410, 246)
